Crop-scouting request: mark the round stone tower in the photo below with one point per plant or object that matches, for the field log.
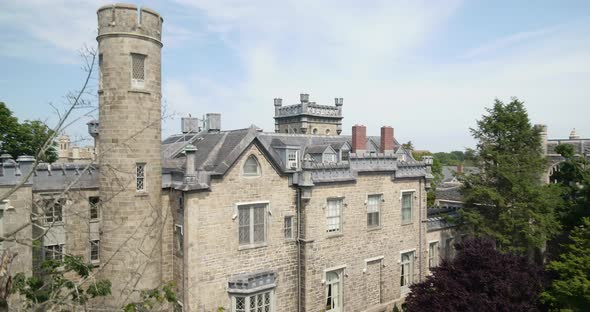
(130, 184)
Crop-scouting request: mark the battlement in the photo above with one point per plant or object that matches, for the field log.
(311, 109)
(127, 19)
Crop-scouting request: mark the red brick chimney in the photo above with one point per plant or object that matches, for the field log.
(387, 146)
(359, 139)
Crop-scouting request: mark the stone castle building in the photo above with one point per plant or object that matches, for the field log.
(299, 219)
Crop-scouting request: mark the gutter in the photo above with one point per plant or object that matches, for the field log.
(299, 247)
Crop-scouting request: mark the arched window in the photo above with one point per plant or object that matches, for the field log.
(251, 167)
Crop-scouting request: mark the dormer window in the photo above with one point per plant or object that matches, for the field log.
(292, 159)
(251, 167)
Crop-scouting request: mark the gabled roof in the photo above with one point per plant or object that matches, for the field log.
(319, 149)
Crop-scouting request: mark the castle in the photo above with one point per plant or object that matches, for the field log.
(299, 219)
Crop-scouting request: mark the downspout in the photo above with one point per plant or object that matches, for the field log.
(298, 204)
(420, 225)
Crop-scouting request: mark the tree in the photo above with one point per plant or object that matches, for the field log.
(408, 146)
(436, 172)
(25, 138)
(479, 278)
(570, 290)
(508, 200)
(60, 285)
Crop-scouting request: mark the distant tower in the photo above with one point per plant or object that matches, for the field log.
(64, 148)
(130, 186)
(308, 117)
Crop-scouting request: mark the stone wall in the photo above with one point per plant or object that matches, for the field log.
(212, 249)
(360, 251)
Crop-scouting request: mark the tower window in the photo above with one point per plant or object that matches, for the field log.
(93, 201)
(140, 177)
(137, 70)
(100, 71)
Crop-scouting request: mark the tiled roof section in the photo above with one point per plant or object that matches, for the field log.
(440, 218)
(449, 172)
(449, 193)
(317, 149)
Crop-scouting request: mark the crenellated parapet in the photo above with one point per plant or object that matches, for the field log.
(310, 109)
(129, 20)
(371, 162)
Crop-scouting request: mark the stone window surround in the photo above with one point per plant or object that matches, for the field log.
(341, 226)
(293, 228)
(413, 197)
(247, 301)
(258, 167)
(341, 271)
(434, 259)
(140, 176)
(137, 83)
(95, 243)
(381, 200)
(266, 223)
(94, 206)
(406, 289)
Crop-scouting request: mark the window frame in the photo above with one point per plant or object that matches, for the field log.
(141, 177)
(378, 212)
(247, 301)
(288, 229)
(251, 224)
(292, 152)
(49, 210)
(433, 254)
(95, 243)
(340, 282)
(410, 193)
(405, 288)
(179, 238)
(137, 83)
(56, 250)
(258, 169)
(94, 206)
(340, 215)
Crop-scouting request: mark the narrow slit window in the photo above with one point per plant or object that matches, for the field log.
(140, 177)
(289, 227)
(94, 250)
(100, 71)
(137, 70)
(93, 202)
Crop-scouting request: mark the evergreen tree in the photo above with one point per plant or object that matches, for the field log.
(570, 290)
(508, 201)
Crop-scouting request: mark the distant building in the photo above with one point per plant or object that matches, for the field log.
(68, 153)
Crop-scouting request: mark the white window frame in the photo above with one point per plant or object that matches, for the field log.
(140, 177)
(50, 215)
(378, 211)
(95, 242)
(252, 243)
(258, 169)
(137, 83)
(339, 271)
(328, 158)
(248, 303)
(339, 214)
(292, 158)
(411, 193)
(288, 227)
(57, 252)
(410, 263)
(433, 254)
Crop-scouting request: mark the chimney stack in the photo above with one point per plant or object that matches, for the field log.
(213, 122)
(387, 146)
(278, 101)
(338, 101)
(304, 97)
(359, 139)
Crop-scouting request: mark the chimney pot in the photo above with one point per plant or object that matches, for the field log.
(278, 101)
(338, 101)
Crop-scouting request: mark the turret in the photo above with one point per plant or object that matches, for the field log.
(129, 45)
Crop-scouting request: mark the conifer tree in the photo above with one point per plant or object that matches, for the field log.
(508, 200)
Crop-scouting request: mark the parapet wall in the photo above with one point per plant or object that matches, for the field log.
(48, 177)
(120, 19)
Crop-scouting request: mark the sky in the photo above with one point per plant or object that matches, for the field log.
(427, 68)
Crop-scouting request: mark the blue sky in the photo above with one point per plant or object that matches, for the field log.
(427, 68)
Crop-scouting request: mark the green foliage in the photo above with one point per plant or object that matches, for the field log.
(395, 308)
(52, 288)
(154, 299)
(507, 200)
(408, 146)
(24, 138)
(436, 172)
(570, 291)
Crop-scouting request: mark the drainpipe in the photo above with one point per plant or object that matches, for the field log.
(420, 225)
(298, 204)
